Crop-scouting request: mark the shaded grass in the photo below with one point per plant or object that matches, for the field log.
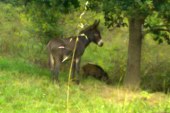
(21, 66)
(22, 91)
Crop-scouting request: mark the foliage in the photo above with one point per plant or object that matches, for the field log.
(46, 15)
(18, 37)
(15, 2)
(159, 27)
(155, 66)
(95, 5)
(116, 11)
(155, 12)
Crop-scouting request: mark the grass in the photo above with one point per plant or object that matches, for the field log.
(20, 66)
(26, 88)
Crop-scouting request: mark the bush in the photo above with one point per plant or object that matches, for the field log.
(155, 66)
(18, 37)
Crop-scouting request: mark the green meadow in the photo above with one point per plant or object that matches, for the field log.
(26, 88)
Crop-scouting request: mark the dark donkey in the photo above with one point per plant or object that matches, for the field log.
(61, 49)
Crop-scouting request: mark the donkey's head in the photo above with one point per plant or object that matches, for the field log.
(93, 34)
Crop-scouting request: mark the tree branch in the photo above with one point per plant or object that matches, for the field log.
(162, 29)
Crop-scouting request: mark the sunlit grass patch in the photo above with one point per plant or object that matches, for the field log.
(26, 93)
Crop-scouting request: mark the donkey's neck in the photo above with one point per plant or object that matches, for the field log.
(84, 40)
(85, 37)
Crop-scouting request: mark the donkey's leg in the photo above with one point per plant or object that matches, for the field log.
(78, 60)
(52, 65)
(78, 65)
(73, 70)
(57, 63)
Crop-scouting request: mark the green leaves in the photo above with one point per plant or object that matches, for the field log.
(156, 13)
(46, 14)
(158, 27)
(96, 5)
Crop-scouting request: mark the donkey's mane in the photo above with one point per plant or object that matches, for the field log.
(86, 29)
(94, 25)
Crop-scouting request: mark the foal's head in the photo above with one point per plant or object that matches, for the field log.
(93, 34)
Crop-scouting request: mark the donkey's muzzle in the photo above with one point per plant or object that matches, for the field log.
(100, 43)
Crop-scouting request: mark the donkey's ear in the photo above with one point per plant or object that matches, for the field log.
(96, 23)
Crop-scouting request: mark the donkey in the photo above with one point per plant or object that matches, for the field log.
(95, 71)
(61, 49)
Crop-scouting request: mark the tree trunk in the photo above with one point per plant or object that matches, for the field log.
(132, 78)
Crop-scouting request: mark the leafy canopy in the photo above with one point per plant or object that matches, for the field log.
(154, 12)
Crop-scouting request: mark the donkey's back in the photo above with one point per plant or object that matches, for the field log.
(58, 48)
